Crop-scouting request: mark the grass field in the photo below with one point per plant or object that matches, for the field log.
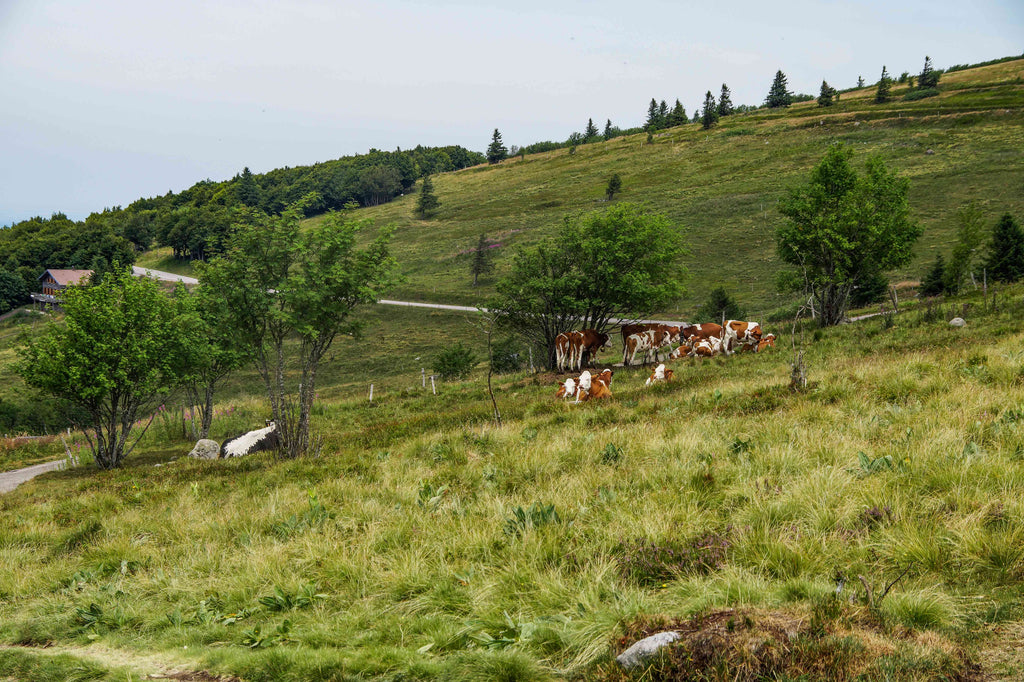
(427, 542)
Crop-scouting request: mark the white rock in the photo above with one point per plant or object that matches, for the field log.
(206, 449)
(957, 322)
(641, 651)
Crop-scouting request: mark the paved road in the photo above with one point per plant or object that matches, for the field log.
(163, 276)
(9, 480)
(472, 309)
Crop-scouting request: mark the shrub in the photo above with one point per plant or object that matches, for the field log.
(921, 93)
(455, 362)
(719, 303)
(508, 356)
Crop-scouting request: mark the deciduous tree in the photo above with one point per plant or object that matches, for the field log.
(118, 349)
(970, 235)
(844, 228)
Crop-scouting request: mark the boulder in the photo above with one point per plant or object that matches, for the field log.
(647, 647)
(206, 449)
(957, 322)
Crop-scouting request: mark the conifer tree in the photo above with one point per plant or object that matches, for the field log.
(590, 132)
(609, 132)
(662, 114)
(933, 283)
(725, 102)
(929, 77)
(248, 190)
(778, 95)
(884, 87)
(496, 151)
(860, 81)
(1005, 261)
(614, 186)
(678, 115)
(709, 115)
(826, 95)
(426, 202)
(652, 116)
(483, 259)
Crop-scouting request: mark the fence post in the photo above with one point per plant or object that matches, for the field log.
(423, 376)
(371, 393)
(432, 387)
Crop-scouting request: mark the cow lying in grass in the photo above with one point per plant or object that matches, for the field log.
(586, 387)
(659, 374)
(767, 341)
(260, 440)
(566, 390)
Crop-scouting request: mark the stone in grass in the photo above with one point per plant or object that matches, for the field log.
(957, 322)
(641, 651)
(206, 449)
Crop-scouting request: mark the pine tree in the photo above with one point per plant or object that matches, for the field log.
(725, 102)
(662, 114)
(934, 282)
(609, 132)
(827, 93)
(678, 115)
(426, 202)
(709, 115)
(483, 259)
(929, 77)
(652, 116)
(884, 87)
(614, 186)
(778, 95)
(696, 116)
(496, 151)
(248, 190)
(1005, 261)
(590, 132)
(860, 81)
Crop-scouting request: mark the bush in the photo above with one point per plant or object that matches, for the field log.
(455, 362)
(719, 303)
(920, 93)
(508, 356)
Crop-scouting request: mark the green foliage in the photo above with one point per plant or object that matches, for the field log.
(653, 121)
(590, 133)
(725, 107)
(882, 94)
(709, 113)
(778, 94)
(59, 242)
(1005, 262)
(314, 516)
(496, 151)
(536, 516)
(426, 201)
(843, 228)
(13, 292)
(925, 93)
(284, 601)
(970, 234)
(719, 304)
(117, 350)
(576, 279)
(482, 262)
(827, 95)
(278, 282)
(614, 186)
(454, 362)
(870, 466)
(677, 116)
(508, 355)
(256, 638)
(929, 77)
(612, 454)
(873, 288)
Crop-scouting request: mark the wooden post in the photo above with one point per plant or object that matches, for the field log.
(371, 393)
(532, 370)
(423, 375)
(895, 299)
(432, 387)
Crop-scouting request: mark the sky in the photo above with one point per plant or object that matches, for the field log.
(103, 102)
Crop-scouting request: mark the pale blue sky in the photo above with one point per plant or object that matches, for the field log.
(106, 101)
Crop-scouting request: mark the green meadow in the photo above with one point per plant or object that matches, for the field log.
(868, 527)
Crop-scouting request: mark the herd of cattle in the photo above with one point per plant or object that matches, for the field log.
(575, 349)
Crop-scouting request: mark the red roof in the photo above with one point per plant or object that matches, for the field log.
(67, 277)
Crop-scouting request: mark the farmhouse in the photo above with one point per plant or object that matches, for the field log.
(53, 282)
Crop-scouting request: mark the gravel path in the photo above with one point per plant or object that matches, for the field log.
(9, 480)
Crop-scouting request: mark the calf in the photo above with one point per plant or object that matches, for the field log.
(600, 386)
(707, 348)
(659, 374)
(255, 441)
(566, 390)
(591, 343)
(767, 341)
(568, 346)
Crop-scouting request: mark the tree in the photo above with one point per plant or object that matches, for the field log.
(826, 95)
(860, 81)
(590, 132)
(1005, 261)
(677, 116)
(117, 350)
(929, 77)
(652, 122)
(379, 184)
(884, 87)
(13, 292)
(609, 131)
(496, 151)
(426, 202)
(614, 186)
(725, 107)
(483, 258)
(844, 228)
(970, 235)
(778, 95)
(709, 115)
(933, 282)
(719, 306)
(662, 113)
(248, 190)
(620, 262)
(210, 350)
(287, 293)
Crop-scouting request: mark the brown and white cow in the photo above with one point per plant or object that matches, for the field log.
(567, 347)
(591, 343)
(566, 390)
(707, 348)
(627, 330)
(706, 330)
(600, 386)
(648, 343)
(659, 374)
(767, 341)
(738, 332)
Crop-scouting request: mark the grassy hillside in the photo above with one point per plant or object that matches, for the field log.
(722, 185)
(426, 542)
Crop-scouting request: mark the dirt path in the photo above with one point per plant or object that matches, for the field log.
(9, 480)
